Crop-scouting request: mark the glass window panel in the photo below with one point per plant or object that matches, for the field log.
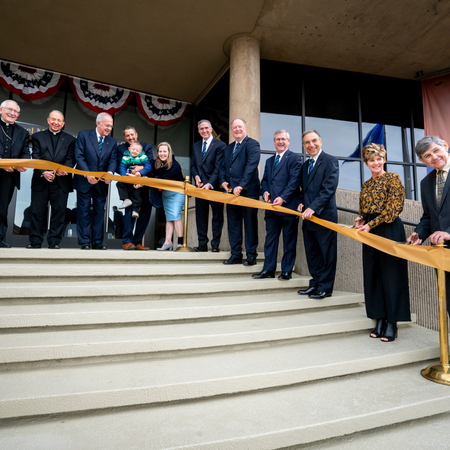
(78, 117)
(397, 169)
(339, 137)
(349, 175)
(33, 115)
(130, 115)
(394, 145)
(419, 133)
(177, 135)
(421, 174)
(264, 158)
(22, 215)
(273, 122)
(70, 229)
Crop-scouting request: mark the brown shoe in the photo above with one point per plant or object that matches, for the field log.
(141, 247)
(129, 246)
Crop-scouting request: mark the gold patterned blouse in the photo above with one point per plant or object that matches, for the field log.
(383, 195)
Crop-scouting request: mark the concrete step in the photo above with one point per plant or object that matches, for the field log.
(119, 288)
(61, 272)
(69, 388)
(150, 311)
(75, 256)
(271, 419)
(122, 340)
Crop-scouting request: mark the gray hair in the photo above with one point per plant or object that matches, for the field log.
(3, 105)
(128, 127)
(201, 121)
(101, 116)
(238, 118)
(56, 111)
(424, 144)
(310, 131)
(282, 131)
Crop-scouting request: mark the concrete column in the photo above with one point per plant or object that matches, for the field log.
(245, 96)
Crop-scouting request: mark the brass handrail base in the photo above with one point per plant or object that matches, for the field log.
(184, 248)
(439, 373)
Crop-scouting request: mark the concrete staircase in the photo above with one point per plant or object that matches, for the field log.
(150, 350)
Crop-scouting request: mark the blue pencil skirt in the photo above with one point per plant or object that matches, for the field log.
(173, 204)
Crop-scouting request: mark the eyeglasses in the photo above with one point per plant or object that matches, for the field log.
(12, 111)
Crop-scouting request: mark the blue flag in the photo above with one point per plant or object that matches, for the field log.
(374, 136)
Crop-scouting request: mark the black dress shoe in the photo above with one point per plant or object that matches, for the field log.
(310, 290)
(379, 329)
(215, 249)
(85, 246)
(54, 246)
(33, 246)
(264, 274)
(233, 260)
(250, 261)
(4, 245)
(200, 249)
(319, 295)
(285, 276)
(99, 247)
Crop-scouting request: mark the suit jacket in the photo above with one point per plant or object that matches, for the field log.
(284, 182)
(88, 157)
(19, 148)
(147, 148)
(318, 189)
(242, 170)
(63, 154)
(209, 169)
(433, 218)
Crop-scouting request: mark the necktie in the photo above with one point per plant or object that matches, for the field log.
(204, 150)
(440, 186)
(100, 144)
(235, 150)
(277, 160)
(311, 165)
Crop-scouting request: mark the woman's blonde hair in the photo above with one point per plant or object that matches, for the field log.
(169, 162)
(371, 150)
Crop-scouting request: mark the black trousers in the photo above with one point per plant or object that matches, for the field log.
(39, 200)
(201, 218)
(7, 185)
(386, 289)
(141, 223)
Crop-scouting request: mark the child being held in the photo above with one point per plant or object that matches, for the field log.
(133, 157)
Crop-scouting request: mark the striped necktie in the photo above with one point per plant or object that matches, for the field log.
(311, 165)
(204, 150)
(440, 186)
(236, 149)
(100, 144)
(277, 160)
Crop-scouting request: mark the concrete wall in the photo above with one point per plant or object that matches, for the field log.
(422, 279)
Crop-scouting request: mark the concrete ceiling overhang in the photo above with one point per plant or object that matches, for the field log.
(175, 48)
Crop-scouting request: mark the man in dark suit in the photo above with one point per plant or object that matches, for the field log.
(95, 151)
(318, 182)
(47, 185)
(14, 142)
(207, 155)
(130, 240)
(280, 187)
(434, 189)
(240, 175)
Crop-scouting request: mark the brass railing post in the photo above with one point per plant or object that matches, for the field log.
(440, 373)
(184, 247)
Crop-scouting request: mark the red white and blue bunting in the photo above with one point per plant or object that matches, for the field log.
(161, 111)
(100, 97)
(29, 83)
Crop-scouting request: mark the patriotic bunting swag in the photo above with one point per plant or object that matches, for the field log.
(32, 84)
(100, 97)
(29, 83)
(161, 111)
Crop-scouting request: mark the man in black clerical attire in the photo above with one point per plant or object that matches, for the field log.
(13, 145)
(48, 185)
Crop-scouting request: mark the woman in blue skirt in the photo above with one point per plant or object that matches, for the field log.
(168, 168)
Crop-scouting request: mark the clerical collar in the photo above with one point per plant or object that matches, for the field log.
(54, 132)
(6, 123)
